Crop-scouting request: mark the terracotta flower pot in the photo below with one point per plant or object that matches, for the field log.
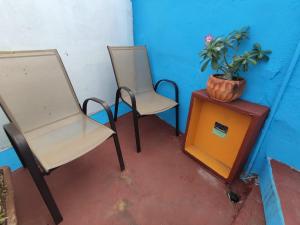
(224, 90)
(8, 198)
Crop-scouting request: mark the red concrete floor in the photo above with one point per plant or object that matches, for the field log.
(161, 185)
(287, 182)
(252, 212)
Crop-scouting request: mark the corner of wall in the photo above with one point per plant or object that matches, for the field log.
(270, 197)
(254, 160)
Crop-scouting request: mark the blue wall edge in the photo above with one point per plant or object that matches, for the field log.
(249, 167)
(8, 157)
(271, 201)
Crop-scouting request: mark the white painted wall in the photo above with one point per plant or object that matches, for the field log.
(80, 30)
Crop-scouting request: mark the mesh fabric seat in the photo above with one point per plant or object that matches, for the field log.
(65, 140)
(133, 76)
(149, 103)
(47, 125)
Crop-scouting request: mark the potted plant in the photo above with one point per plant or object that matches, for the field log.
(7, 204)
(222, 54)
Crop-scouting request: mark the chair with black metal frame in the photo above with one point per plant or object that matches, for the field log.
(133, 76)
(48, 128)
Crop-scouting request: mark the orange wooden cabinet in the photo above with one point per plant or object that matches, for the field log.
(221, 135)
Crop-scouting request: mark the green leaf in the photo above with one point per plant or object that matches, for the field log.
(219, 51)
(204, 65)
(252, 61)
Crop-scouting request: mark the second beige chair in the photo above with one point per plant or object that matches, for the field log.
(132, 71)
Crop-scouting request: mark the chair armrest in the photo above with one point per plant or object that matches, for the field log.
(106, 108)
(170, 82)
(20, 144)
(131, 94)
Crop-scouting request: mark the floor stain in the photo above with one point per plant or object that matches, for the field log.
(125, 176)
(121, 205)
(120, 210)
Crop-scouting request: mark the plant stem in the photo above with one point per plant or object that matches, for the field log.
(225, 60)
(228, 76)
(222, 69)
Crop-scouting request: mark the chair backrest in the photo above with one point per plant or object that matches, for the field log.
(35, 89)
(131, 67)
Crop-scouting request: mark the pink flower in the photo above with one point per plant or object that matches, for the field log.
(209, 38)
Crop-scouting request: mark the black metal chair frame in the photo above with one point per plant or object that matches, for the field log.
(28, 160)
(135, 113)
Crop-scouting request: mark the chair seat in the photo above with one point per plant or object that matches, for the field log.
(65, 140)
(150, 102)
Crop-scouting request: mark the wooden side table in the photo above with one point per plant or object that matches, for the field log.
(221, 135)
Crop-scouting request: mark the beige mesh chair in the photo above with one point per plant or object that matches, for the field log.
(47, 126)
(133, 76)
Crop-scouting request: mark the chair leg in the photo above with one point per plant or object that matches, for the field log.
(136, 130)
(45, 192)
(177, 120)
(119, 152)
(23, 150)
(40, 182)
(20, 157)
(116, 107)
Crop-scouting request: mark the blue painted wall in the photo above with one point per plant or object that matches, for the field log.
(283, 140)
(173, 31)
(8, 157)
(280, 137)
